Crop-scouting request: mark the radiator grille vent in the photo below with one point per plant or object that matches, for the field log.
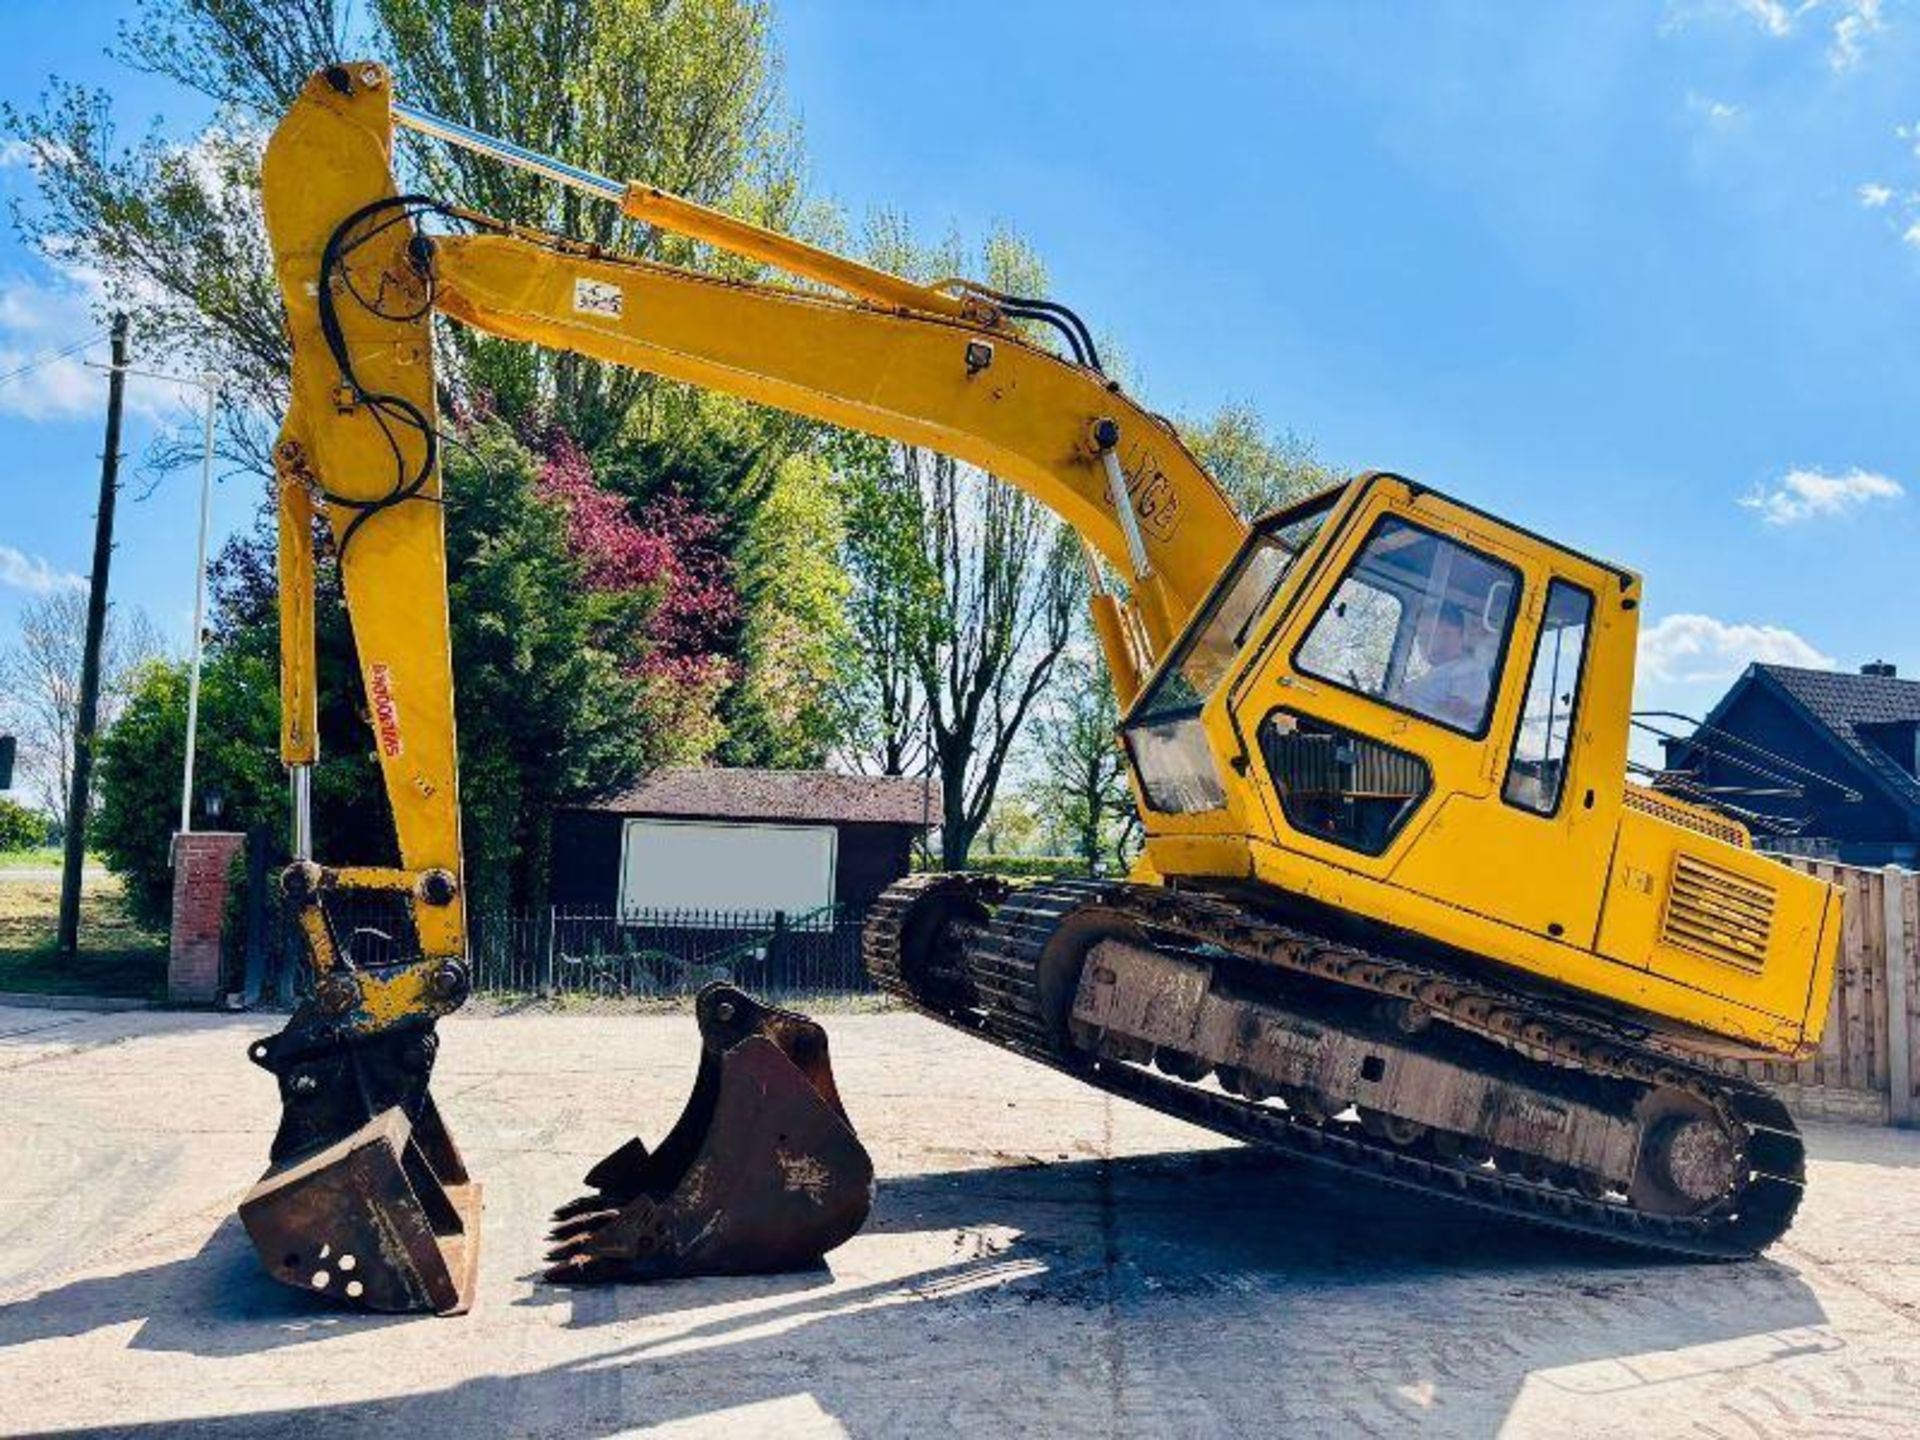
(1691, 817)
(1722, 916)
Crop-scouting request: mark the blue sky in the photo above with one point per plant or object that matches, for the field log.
(1643, 277)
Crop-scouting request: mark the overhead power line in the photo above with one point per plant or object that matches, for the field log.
(40, 361)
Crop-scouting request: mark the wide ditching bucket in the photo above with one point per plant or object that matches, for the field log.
(367, 1200)
(761, 1174)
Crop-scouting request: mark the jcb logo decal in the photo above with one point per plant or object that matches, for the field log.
(597, 297)
(386, 714)
(1155, 500)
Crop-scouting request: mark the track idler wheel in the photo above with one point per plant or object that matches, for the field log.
(1688, 1161)
(762, 1173)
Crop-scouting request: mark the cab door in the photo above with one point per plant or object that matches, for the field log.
(1391, 725)
(1368, 706)
(1531, 848)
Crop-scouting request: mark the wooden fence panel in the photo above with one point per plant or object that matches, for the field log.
(1854, 1073)
(1904, 1003)
(1825, 1067)
(1873, 983)
(1854, 961)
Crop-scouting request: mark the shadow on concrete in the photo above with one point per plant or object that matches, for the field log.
(1218, 1283)
(20, 1025)
(216, 1303)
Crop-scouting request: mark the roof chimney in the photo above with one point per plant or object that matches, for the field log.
(1883, 668)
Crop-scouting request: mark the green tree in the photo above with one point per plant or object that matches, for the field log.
(964, 589)
(551, 708)
(40, 685)
(1016, 825)
(786, 707)
(20, 828)
(1260, 468)
(965, 594)
(685, 94)
(1081, 789)
(893, 601)
(142, 756)
(552, 702)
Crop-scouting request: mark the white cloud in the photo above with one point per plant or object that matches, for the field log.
(1698, 649)
(37, 321)
(41, 318)
(1771, 15)
(1720, 114)
(1875, 196)
(1852, 22)
(1912, 236)
(1858, 19)
(30, 154)
(32, 573)
(1809, 494)
(62, 307)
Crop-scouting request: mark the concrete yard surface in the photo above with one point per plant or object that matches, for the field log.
(1042, 1260)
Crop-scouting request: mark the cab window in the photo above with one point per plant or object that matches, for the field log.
(1211, 643)
(1537, 773)
(1165, 740)
(1420, 623)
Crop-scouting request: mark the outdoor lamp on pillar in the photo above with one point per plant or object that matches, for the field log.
(213, 803)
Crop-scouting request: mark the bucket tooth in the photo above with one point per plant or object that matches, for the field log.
(761, 1174)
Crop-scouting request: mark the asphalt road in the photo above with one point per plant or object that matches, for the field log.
(1042, 1260)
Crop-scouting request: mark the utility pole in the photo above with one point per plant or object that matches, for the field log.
(211, 381)
(88, 718)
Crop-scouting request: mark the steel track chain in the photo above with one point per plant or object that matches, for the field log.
(1004, 962)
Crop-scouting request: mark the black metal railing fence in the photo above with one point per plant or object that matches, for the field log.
(593, 953)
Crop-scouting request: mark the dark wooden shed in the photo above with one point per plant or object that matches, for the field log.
(716, 839)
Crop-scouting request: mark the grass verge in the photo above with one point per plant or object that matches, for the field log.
(117, 957)
(41, 857)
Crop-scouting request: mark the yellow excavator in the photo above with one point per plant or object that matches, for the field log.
(1399, 910)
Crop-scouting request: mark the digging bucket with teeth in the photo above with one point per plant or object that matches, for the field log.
(761, 1174)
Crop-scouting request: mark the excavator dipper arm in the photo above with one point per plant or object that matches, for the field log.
(362, 1165)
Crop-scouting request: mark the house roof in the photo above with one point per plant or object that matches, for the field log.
(715, 794)
(1842, 703)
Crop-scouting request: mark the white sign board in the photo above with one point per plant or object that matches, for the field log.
(712, 865)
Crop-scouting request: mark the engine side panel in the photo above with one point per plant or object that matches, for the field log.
(1721, 920)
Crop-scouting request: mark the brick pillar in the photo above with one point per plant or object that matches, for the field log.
(202, 872)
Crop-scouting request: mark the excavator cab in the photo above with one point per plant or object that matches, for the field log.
(1406, 710)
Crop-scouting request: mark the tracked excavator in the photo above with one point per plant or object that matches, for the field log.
(1399, 912)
